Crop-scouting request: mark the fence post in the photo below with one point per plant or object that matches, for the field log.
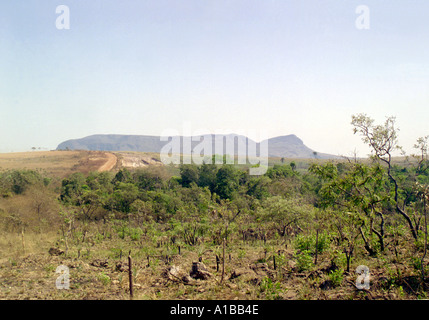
(223, 260)
(130, 274)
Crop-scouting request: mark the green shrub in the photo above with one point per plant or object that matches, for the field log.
(271, 289)
(308, 242)
(124, 231)
(336, 277)
(303, 242)
(104, 278)
(135, 233)
(18, 181)
(304, 260)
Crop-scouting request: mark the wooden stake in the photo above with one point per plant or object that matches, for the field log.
(130, 275)
(317, 244)
(223, 260)
(23, 240)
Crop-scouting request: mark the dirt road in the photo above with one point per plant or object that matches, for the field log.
(110, 163)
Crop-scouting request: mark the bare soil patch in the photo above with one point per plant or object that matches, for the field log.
(110, 163)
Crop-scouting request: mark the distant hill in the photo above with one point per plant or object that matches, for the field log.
(289, 146)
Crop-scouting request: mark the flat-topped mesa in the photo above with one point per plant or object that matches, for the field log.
(288, 146)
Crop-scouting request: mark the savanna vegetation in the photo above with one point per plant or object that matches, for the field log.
(300, 231)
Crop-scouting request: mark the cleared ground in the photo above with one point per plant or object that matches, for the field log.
(59, 163)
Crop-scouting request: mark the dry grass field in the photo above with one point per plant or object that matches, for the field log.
(55, 163)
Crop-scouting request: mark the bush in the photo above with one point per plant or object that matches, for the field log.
(336, 277)
(124, 231)
(308, 242)
(271, 289)
(104, 278)
(304, 261)
(18, 181)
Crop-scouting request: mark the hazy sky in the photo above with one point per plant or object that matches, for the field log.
(260, 68)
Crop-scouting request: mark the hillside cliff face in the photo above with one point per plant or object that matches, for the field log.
(114, 142)
(289, 146)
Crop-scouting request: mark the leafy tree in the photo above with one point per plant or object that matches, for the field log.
(19, 181)
(347, 226)
(124, 195)
(207, 176)
(422, 168)
(72, 188)
(88, 194)
(188, 174)
(383, 140)
(227, 181)
(100, 181)
(164, 203)
(360, 188)
(280, 171)
(258, 187)
(285, 213)
(199, 197)
(148, 179)
(90, 202)
(142, 210)
(123, 176)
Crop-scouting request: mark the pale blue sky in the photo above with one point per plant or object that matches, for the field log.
(252, 67)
